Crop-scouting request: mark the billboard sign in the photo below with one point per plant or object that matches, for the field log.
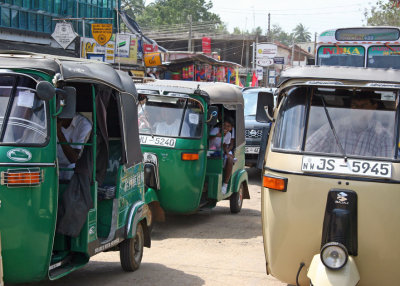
(266, 51)
(123, 42)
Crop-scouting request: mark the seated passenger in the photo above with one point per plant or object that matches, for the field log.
(169, 125)
(75, 130)
(215, 144)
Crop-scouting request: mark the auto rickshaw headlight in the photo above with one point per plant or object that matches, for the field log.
(334, 255)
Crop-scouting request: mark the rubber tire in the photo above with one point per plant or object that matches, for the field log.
(236, 200)
(131, 251)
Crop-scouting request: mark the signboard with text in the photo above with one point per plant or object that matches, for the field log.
(152, 59)
(64, 34)
(90, 46)
(206, 45)
(123, 42)
(266, 51)
(102, 33)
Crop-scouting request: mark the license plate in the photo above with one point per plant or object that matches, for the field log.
(157, 141)
(351, 167)
(252, 150)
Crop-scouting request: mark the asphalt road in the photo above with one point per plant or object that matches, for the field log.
(208, 248)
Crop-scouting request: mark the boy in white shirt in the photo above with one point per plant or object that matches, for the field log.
(215, 144)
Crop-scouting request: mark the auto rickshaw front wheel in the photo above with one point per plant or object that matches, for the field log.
(236, 200)
(131, 251)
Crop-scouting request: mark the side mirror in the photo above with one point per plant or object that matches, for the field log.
(67, 101)
(212, 115)
(265, 107)
(45, 90)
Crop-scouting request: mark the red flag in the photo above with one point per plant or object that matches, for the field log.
(254, 80)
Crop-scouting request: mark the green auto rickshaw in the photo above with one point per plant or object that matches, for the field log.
(51, 225)
(182, 174)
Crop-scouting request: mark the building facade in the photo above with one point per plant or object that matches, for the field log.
(30, 22)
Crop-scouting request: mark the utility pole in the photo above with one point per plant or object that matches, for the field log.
(190, 33)
(269, 28)
(291, 59)
(315, 45)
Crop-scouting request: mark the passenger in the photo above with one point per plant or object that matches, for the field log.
(360, 133)
(168, 124)
(75, 130)
(215, 144)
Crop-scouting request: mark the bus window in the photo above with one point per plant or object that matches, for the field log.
(341, 56)
(384, 57)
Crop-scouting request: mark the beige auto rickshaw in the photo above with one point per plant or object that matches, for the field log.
(331, 193)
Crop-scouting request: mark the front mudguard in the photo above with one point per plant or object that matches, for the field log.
(321, 275)
(137, 213)
(240, 178)
(157, 212)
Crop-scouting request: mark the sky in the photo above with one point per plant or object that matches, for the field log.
(315, 15)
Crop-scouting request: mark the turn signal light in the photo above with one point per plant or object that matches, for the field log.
(275, 183)
(22, 177)
(190, 156)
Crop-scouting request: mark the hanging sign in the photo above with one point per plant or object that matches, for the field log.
(152, 59)
(64, 34)
(102, 33)
(123, 42)
(206, 45)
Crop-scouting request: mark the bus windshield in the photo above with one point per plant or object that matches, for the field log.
(23, 117)
(384, 57)
(341, 56)
(170, 116)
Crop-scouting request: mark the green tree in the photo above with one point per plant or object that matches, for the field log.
(301, 34)
(237, 31)
(385, 13)
(257, 31)
(163, 13)
(278, 34)
(133, 8)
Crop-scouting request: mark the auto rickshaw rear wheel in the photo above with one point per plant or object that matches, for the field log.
(131, 251)
(236, 200)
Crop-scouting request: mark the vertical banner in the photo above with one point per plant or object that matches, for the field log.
(206, 44)
(123, 42)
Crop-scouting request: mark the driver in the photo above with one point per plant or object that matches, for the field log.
(76, 130)
(360, 133)
(169, 124)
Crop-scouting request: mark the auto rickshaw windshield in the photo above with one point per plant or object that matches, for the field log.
(170, 116)
(23, 117)
(363, 122)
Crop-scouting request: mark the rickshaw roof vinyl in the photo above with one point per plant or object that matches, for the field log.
(345, 74)
(72, 68)
(216, 92)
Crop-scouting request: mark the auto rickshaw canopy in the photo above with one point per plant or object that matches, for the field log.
(367, 77)
(69, 68)
(213, 92)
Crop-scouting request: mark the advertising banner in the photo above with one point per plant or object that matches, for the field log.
(259, 72)
(149, 48)
(122, 45)
(266, 51)
(91, 47)
(152, 59)
(133, 52)
(206, 44)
